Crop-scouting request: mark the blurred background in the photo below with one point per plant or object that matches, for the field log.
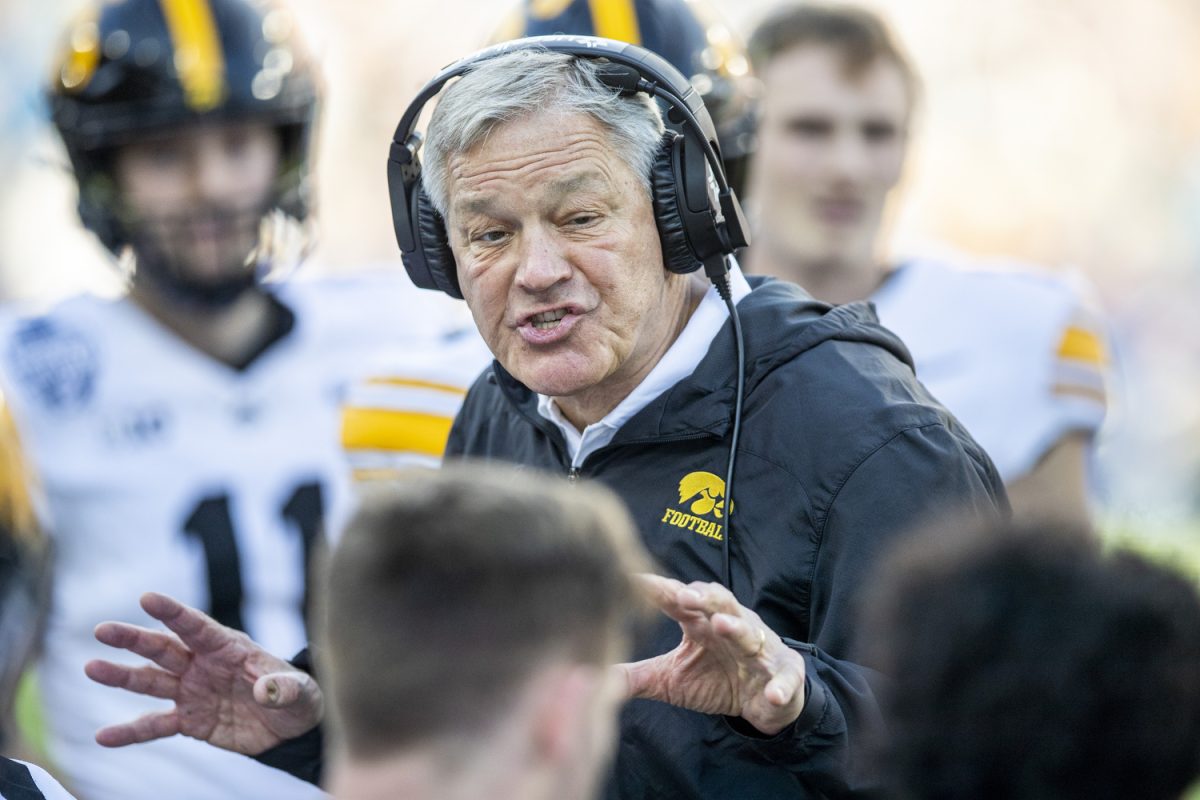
(1065, 134)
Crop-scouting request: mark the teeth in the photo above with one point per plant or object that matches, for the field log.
(548, 319)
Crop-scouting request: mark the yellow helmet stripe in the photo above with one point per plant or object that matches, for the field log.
(199, 60)
(83, 54)
(616, 19)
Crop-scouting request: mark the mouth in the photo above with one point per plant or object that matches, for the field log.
(840, 210)
(551, 325)
(548, 320)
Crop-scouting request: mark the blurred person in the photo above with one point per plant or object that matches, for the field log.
(25, 579)
(1016, 355)
(516, 592)
(1029, 665)
(187, 433)
(551, 200)
(689, 34)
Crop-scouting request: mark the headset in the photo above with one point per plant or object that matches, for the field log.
(700, 223)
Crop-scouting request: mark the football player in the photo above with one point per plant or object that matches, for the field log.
(1016, 355)
(187, 433)
(24, 594)
(687, 33)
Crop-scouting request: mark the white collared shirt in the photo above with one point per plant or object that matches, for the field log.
(681, 360)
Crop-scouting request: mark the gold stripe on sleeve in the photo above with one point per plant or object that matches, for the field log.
(396, 431)
(1080, 344)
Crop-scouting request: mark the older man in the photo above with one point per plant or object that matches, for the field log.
(612, 368)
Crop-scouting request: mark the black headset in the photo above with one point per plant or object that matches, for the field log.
(694, 231)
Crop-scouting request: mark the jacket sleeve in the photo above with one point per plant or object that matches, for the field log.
(301, 757)
(919, 473)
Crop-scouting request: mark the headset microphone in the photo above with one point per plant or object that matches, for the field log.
(700, 221)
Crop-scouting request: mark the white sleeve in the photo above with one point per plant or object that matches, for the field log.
(400, 415)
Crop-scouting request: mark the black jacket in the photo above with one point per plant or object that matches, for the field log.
(841, 451)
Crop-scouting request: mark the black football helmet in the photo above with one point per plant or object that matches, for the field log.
(135, 68)
(687, 33)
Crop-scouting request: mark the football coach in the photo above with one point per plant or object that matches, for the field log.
(769, 447)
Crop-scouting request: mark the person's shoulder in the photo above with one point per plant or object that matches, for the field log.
(377, 298)
(998, 289)
(23, 781)
(49, 354)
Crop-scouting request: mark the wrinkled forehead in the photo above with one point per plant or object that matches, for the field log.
(550, 155)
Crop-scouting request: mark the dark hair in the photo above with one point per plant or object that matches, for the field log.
(860, 36)
(449, 589)
(1028, 665)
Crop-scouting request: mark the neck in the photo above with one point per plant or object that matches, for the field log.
(228, 333)
(593, 405)
(427, 775)
(833, 279)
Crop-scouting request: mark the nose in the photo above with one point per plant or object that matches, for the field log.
(849, 157)
(213, 173)
(543, 262)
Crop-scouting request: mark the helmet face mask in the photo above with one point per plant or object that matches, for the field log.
(192, 204)
(140, 71)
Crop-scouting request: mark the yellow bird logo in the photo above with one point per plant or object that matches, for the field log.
(706, 491)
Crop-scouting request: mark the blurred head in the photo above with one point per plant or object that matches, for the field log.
(473, 612)
(24, 567)
(687, 33)
(187, 123)
(1027, 665)
(542, 174)
(838, 94)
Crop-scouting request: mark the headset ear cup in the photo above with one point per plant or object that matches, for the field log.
(434, 245)
(677, 253)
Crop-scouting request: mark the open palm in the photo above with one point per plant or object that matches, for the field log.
(728, 662)
(228, 691)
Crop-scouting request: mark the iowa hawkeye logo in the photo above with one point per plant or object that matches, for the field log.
(702, 494)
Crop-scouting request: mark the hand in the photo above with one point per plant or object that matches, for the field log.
(729, 661)
(228, 691)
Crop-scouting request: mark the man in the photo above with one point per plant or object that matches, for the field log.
(1030, 666)
(522, 621)
(1016, 356)
(186, 434)
(24, 595)
(612, 368)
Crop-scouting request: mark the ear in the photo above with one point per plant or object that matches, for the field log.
(566, 704)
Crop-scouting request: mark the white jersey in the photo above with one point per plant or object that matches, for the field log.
(1016, 355)
(22, 781)
(166, 470)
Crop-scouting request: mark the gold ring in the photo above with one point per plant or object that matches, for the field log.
(762, 643)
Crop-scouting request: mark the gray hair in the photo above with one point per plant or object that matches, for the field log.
(523, 82)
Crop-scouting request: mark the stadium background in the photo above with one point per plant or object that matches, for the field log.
(1063, 133)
